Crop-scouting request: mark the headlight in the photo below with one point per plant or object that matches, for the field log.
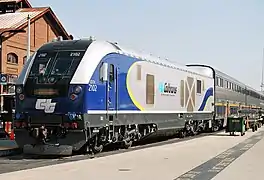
(18, 90)
(77, 89)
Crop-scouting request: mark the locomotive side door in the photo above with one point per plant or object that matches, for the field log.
(112, 90)
(110, 77)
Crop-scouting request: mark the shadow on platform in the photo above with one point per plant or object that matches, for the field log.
(227, 134)
(8, 147)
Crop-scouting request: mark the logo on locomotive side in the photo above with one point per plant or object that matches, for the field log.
(167, 88)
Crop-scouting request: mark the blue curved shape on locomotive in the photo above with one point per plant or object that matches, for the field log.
(96, 101)
(208, 94)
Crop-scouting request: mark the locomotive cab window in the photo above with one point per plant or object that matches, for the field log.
(111, 73)
(101, 73)
(199, 86)
(66, 63)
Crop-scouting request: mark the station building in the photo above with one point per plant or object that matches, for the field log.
(44, 27)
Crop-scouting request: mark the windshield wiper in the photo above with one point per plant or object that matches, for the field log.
(69, 66)
(65, 73)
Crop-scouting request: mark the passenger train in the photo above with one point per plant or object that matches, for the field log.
(80, 95)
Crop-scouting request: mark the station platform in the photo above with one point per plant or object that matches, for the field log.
(7, 147)
(218, 157)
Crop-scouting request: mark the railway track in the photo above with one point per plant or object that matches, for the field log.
(24, 162)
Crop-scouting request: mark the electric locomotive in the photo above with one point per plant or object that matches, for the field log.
(80, 95)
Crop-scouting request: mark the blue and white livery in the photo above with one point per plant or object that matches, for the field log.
(82, 94)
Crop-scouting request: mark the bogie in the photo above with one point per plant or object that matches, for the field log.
(123, 136)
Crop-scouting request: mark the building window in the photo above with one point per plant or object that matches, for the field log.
(24, 59)
(199, 86)
(150, 89)
(5, 89)
(12, 78)
(12, 58)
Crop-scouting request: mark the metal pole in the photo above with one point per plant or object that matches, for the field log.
(1, 48)
(262, 69)
(1, 97)
(28, 39)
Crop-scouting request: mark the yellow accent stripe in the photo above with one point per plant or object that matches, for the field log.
(206, 103)
(224, 104)
(235, 105)
(136, 103)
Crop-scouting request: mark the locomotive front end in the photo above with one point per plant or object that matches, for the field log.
(49, 110)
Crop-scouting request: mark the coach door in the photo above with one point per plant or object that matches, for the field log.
(227, 109)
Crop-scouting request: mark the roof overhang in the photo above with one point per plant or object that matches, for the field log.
(49, 16)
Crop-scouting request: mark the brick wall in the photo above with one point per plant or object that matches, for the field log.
(41, 33)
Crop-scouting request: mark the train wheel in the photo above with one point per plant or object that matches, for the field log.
(182, 134)
(88, 150)
(127, 144)
(98, 149)
(193, 130)
(215, 128)
(95, 145)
